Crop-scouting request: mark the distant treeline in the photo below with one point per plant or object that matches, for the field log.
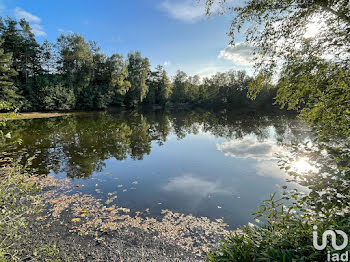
(73, 74)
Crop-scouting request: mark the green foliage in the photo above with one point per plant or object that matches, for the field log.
(311, 74)
(73, 74)
(222, 90)
(320, 91)
(285, 233)
(8, 93)
(311, 69)
(138, 69)
(18, 200)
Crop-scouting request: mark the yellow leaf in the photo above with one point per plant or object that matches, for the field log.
(76, 219)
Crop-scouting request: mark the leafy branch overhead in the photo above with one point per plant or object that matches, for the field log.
(302, 48)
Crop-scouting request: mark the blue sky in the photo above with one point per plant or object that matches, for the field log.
(174, 33)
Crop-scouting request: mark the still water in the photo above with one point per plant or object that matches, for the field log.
(215, 165)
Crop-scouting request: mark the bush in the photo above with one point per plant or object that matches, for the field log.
(18, 200)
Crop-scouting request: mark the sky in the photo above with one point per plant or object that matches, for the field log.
(172, 33)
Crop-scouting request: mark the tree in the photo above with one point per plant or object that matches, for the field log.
(117, 75)
(8, 92)
(165, 89)
(48, 57)
(296, 41)
(181, 86)
(138, 68)
(76, 65)
(159, 87)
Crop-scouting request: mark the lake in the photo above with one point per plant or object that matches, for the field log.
(214, 165)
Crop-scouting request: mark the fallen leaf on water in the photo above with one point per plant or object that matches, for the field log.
(125, 190)
(83, 211)
(120, 186)
(54, 201)
(135, 182)
(76, 219)
(39, 218)
(77, 185)
(83, 215)
(219, 207)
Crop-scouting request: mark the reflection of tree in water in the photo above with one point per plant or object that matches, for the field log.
(236, 126)
(79, 144)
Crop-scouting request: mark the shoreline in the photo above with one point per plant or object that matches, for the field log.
(32, 115)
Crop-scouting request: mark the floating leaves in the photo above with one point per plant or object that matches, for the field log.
(135, 182)
(196, 234)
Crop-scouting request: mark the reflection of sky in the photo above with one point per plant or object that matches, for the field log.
(192, 176)
(250, 147)
(194, 185)
(201, 174)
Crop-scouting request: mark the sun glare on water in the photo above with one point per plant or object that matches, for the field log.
(301, 165)
(314, 27)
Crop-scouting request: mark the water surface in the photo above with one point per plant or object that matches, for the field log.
(215, 165)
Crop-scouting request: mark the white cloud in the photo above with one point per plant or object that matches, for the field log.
(167, 63)
(193, 185)
(241, 54)
(20, 13)
(207, 70)
(34, 21)
(62, 31)
(38, 30)
(250, 147)
(186, 10)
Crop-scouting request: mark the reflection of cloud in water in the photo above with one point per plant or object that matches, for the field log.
(192, 185)
(269, 169)
(250, 147)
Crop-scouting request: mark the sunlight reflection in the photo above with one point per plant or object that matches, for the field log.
(301, 165)
(313, 28)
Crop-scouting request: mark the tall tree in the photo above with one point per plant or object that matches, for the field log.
(76, 65)
(8, 92)
(138, 68)
(165, 89)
